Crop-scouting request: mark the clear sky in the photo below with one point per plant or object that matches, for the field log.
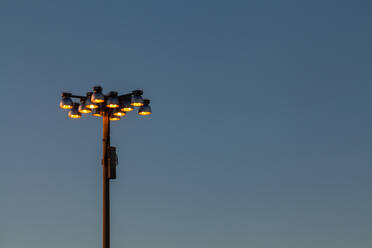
(260, 138)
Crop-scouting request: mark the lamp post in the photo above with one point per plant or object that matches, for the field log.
(111, 107)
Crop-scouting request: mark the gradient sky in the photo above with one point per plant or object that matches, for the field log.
(260, 138)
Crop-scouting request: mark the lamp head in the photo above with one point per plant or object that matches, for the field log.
(126, 107)
(114, 118)
(145, 109)
(97, 96)
(137, 100)
(88, 103)
(74, 113)
(119, 112)
(113, 100)
(66, 102)
(97, 112)
(82, 108)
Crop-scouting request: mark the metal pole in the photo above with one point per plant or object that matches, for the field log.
(106, 183)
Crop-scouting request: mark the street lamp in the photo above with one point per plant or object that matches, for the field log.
(110, 107)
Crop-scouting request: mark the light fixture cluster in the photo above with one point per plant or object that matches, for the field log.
(99, 104)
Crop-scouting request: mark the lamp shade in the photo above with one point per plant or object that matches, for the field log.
(89, 104)
(97, 96)
(66, 103)
(113, 101)
(83, 109)
(119, 112)
(74, 113)
(97, 112)
(145, 109)
(137, 101)
(114, 118)
(126, 107)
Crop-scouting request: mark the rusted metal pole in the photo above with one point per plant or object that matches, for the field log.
(106, 183)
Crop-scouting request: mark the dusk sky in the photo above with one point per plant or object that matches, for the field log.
(260, 135)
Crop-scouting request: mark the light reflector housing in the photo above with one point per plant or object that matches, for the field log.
(126, 107)
(66, 102)
(113, 101)
(74, 113)
(88, 103)
(114, 118)
(137, 100)
(83, 109)
(97, 96)
(119, 113)
(97, 112)
(145, 109)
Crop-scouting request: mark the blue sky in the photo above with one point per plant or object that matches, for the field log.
(260, 136)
